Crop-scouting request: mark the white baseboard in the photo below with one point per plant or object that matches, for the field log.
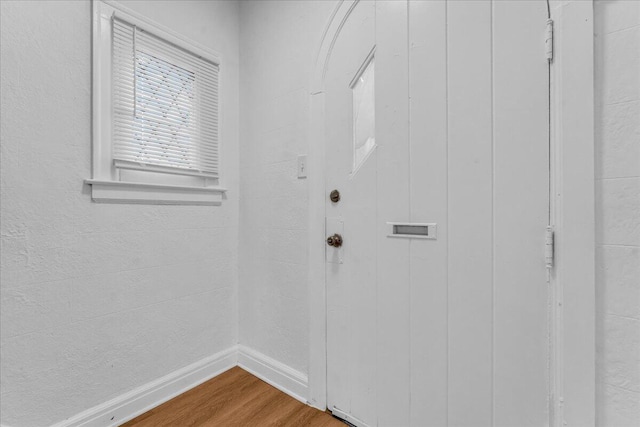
(138, 401)
(279, 375)
(142, 399)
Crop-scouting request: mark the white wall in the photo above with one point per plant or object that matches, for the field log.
(617, 50)
(98, 299)
(278, 44)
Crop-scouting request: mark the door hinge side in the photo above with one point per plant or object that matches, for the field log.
(548, 247)
(548, 40)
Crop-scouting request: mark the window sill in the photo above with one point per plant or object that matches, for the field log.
(155, 194)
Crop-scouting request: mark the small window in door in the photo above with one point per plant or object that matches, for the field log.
(364, 119)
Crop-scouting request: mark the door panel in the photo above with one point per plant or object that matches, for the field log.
(450, 331)
(470, 201)
(351, 285)
(428, 192)
(392, 114)
(520, 133)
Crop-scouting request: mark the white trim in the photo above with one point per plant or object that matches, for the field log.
(363, 67)
(279, 375)
(137, 166)
(144, 398)
(329, 36)
(101, 91)
(140, 400)
(317, 197)
(105, 181)
(573, 215)
(316, 257)
(161, 194)
(132, 17)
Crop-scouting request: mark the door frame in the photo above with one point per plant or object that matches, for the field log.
(572, 182)
(317, 377)
(573, 214)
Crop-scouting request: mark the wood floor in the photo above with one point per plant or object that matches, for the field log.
(234, 398)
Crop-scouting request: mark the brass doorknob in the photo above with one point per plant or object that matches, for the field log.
(335, 240)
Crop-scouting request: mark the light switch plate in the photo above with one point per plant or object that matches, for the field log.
(302, 166)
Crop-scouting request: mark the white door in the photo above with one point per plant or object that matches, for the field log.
(352, 170)
(437, 112)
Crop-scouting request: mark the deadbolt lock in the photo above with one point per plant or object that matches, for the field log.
(335, 196)
(335, 240)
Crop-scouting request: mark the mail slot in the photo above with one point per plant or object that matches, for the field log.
(412, 230)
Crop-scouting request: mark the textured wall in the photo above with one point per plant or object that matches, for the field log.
(617, 49)
(279, 42)
(98, 299)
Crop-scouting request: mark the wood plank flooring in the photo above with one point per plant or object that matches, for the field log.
(234, 398)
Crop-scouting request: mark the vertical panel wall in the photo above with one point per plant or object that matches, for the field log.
(479, 168)
(428, 195)
(617, 92)
(520, 214)
(470, 213)
(392, 119)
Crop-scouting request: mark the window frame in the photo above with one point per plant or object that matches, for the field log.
(116, 185)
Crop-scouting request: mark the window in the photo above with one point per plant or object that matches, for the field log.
(364, 118)
(156, 127)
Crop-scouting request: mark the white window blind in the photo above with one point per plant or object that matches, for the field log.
(165, 105)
